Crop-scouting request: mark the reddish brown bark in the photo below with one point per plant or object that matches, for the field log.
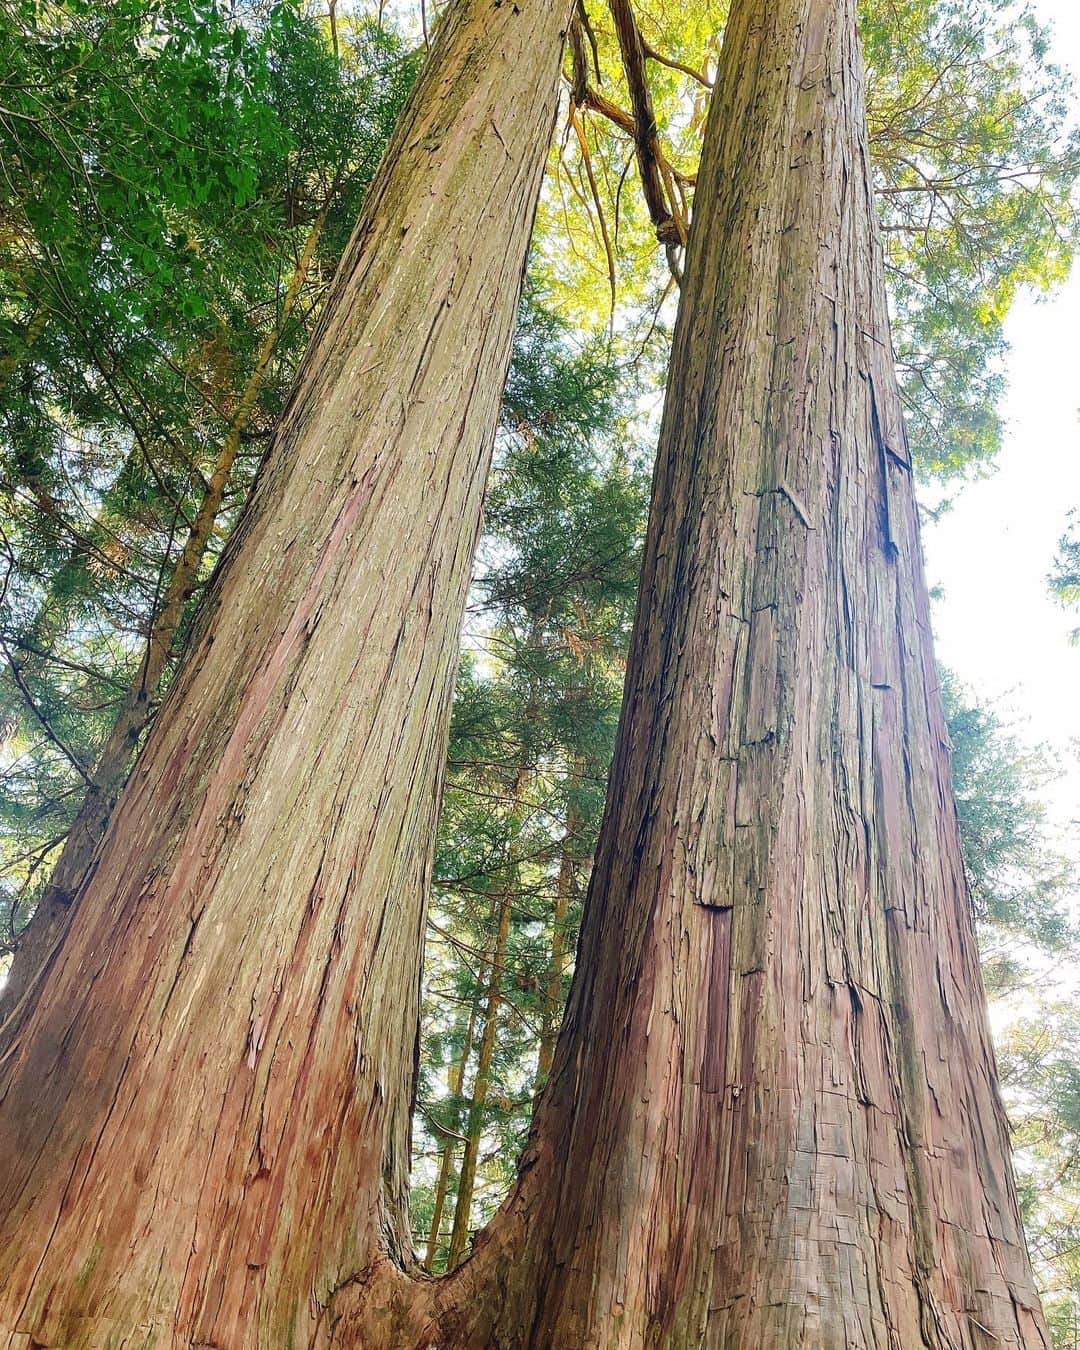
(773, 1118)
(204, 1127)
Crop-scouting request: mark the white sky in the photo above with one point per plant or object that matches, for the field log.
(997, 626)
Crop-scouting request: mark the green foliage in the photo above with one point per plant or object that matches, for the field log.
(1039, 1058)
(1065, 577)
(534, 724)
(975, 168)
(1021, 883)
(1024, 888)
(166, 164)
(976, 176)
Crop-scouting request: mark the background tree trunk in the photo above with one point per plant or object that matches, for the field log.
(773, 1118)
(552, 994)
(459, 1234)
(204, 1121)
(110, 772)
(455, 1079)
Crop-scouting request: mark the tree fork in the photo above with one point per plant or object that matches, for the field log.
(204, 1123)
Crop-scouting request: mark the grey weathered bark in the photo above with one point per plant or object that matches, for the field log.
(773, 1117)
(204, 1123)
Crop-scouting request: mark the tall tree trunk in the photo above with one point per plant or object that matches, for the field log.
(773, 1118)
(455, 1078)
(552, 996)
(782, 1067)
(111, 770)
(204, 1123)
(459, 1234)
(442, 1188)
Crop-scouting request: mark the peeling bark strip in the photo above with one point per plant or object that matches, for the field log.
(204, 1125)
(773, 1121)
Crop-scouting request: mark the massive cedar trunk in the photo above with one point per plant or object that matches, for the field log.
(773, 1118)
(204, 1118)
